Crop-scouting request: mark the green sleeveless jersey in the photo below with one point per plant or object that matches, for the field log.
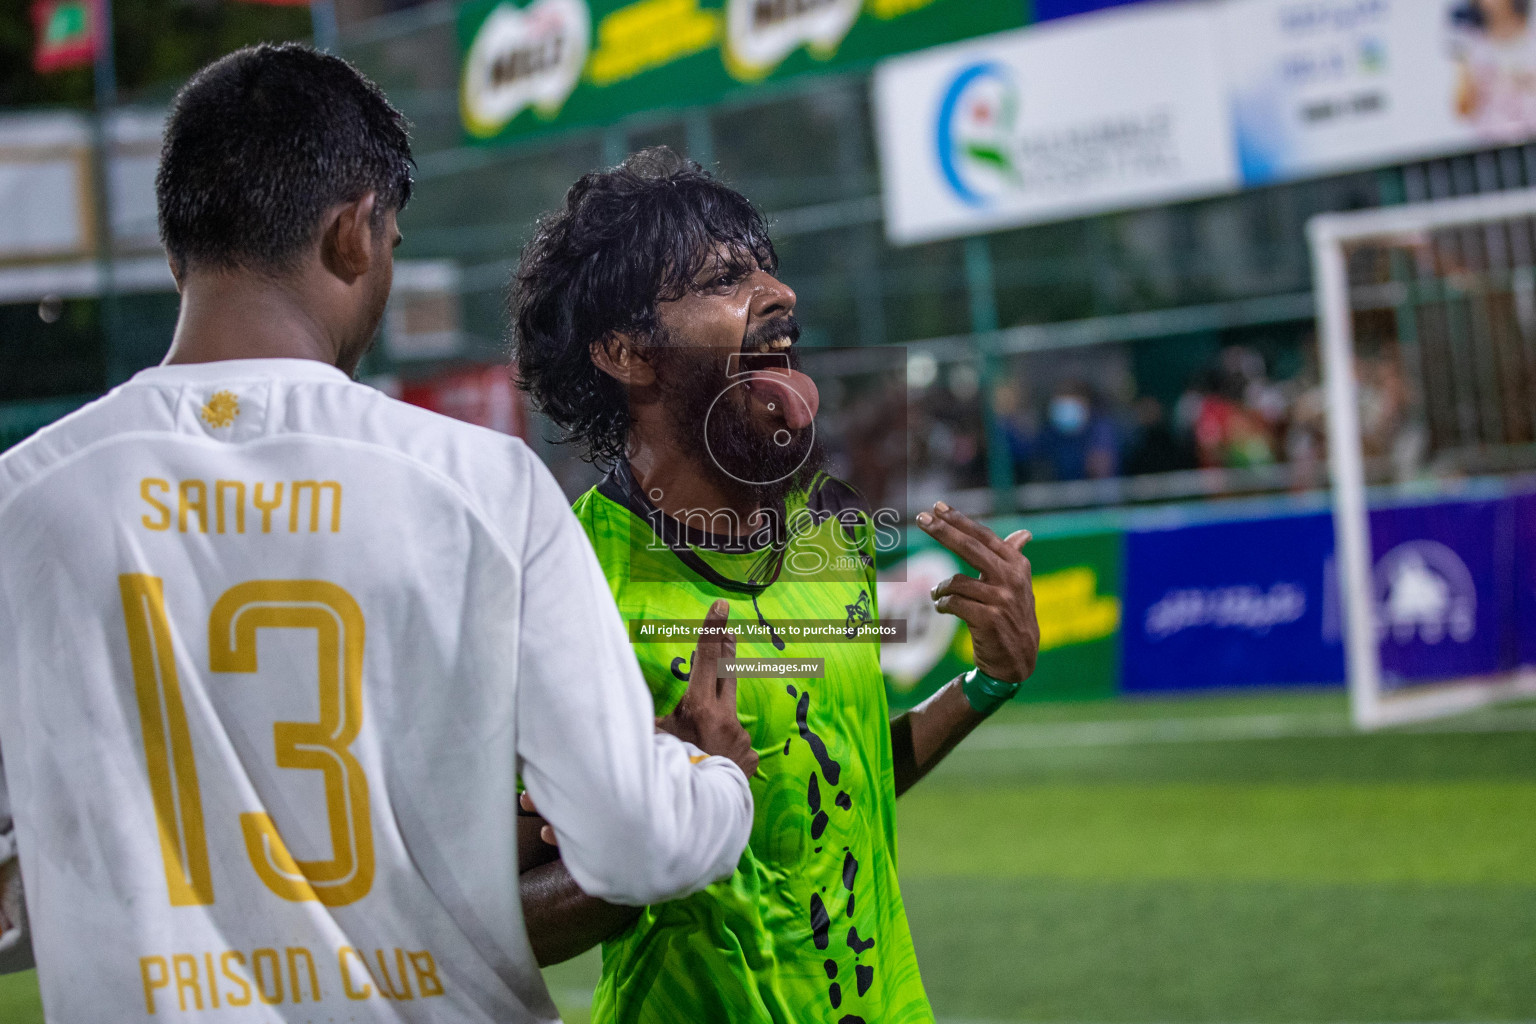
(811, 927)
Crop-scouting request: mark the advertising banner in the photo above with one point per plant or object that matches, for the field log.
(1076, 116)
(1077, 599)
(1328, 85)
(1444, 590)
(1141, 104)
(1229, 605)
(527, 67)
(1048, 10)
(1523, 510)
(1246, 603)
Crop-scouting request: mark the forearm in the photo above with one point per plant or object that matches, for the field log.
(562, 921)
(924, 736)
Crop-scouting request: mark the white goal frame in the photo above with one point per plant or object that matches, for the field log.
(1329, 234)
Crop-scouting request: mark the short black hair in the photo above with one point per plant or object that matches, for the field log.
(260, 143)
(627, 238)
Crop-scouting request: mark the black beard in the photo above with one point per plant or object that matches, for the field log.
(711, 423)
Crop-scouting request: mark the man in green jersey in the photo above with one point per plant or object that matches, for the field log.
(649, 325)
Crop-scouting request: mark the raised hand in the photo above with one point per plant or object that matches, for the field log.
(999, 606)
(706, 714)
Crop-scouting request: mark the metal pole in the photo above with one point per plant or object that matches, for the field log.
(1352, 528)
(700, 137)
(101, 160)
(615, 146)
(322, 20)
(984, 323)
(863, 248)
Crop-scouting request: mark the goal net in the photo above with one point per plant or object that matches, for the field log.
(1427, 316)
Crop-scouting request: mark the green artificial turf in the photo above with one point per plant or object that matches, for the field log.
(1320, 877)
(19, 1002)
(1217, 859)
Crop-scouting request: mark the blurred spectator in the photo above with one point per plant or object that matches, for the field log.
(946, 450)
(1306, 434)
(1156, 448)
(1017, 423)
(1077, 441)
(1234, 412)
(1383, 402)
(877, 446)
(1232, 416)
(1389, 431)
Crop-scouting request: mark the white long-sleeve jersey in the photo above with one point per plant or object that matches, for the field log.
(273, 651)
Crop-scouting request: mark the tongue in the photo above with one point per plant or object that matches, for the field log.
(792, 391)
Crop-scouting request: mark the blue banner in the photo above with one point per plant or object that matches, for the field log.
(1229, 605)
(1049, 10)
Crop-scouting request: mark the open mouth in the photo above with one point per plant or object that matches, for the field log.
(776, 336)
(777, 389)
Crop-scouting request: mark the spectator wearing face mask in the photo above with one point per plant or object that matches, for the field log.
(1077, 441)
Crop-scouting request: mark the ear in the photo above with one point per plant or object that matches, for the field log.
(619, 357)
(348, 247)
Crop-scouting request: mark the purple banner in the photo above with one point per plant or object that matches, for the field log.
(1444, 584)
(1523, 510)
(1256, 602)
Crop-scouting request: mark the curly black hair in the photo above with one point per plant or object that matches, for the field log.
(626, 239)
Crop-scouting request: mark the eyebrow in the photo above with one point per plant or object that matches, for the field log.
(733, 260)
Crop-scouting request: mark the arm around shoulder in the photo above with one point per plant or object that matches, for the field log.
(641, 817)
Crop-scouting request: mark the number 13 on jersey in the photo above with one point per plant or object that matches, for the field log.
(320, 746)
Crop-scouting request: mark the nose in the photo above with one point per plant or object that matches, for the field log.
(771, 297)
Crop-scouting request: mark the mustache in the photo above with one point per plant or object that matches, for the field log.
(783, 327)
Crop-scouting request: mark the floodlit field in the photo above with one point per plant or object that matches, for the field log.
(1210, 860)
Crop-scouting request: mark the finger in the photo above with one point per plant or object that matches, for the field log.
(727, 691)
(1017, 539)
(702, 680)
(965, 609)
(1016, 542)
(976, 554)
(548, 835)
(968, 586)
(527, 802)
(965, 524)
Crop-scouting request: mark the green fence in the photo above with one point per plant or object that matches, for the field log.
(19, 420)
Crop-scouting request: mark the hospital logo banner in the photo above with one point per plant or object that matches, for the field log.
(1073, 117)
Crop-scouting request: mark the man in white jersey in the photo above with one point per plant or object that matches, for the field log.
(275, 648)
